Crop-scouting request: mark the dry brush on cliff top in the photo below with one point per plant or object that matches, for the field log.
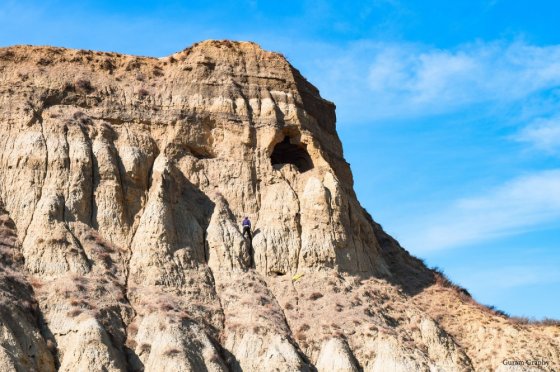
(123, 180)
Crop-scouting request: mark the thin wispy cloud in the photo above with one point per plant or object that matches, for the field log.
(377, 82)
(542, 134)
(520, 205)
(388, 80)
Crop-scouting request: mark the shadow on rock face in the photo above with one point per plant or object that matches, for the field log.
(191, 210)
(287, 153)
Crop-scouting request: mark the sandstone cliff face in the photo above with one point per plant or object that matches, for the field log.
(123, 181)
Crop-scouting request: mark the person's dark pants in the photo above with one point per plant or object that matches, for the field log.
(247, 230)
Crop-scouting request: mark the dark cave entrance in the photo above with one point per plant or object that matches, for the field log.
(287, 153)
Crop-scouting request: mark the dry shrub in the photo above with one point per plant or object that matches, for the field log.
(74, 313)
(145, 348)
(58, 240)
(108, 65)
(263, 300)
(131, 343)
(526, 320)
(338, 334)
(171, 351)
(289, 306)
(78, 279)
(549, 322)
(44, 61)
(157, 71)
(300, 336)
(315, 296)
(133, 65)
(7, 55)
(496, 311)
(35, 282)
(305, 327)
(442, 280)
(84, 86)
(82, 118)
(132, 329)
(143, 93)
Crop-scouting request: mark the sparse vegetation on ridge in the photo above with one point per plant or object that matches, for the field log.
(127, 178)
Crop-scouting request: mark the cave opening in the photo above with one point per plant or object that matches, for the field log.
(286, 152)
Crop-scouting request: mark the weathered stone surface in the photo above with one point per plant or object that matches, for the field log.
(124, 180)
(335, 355)
(22, 346)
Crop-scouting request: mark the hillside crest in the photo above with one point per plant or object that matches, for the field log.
(123, 184)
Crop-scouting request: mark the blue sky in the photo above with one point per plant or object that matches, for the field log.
(448, 113)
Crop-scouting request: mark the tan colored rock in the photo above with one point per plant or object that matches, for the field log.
(22, 346)
(336, 356)
(125, 180)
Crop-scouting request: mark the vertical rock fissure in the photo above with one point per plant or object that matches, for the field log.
(36, 314)
(65, 209)
(299, 230)
(254, 146)
(134, 312)
(140, 212)
(128, 256)
(297, 221)
(94, 170)
(67, 165)
(168, 325)
(223, 318)
(89, 149)
(120, 178)
(2, 156)
(37, 118)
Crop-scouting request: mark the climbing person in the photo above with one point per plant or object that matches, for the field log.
(246, 227)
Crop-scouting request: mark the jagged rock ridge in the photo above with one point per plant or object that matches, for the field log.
(123, 181)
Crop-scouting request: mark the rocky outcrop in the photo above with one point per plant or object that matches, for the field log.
(124, 180)
(23, 347)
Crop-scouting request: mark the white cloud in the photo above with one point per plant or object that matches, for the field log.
(422, 78)
(542, 134)
(523, 204)
(372, 80)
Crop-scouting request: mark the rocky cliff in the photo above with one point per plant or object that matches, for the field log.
(123, 182)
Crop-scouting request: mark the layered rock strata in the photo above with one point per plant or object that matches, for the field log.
(123, 181)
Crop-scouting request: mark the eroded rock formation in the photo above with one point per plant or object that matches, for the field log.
(123, 181)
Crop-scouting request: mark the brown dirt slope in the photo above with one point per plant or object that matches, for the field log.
(124, 180)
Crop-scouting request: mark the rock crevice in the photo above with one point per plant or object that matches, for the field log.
(127, 188)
